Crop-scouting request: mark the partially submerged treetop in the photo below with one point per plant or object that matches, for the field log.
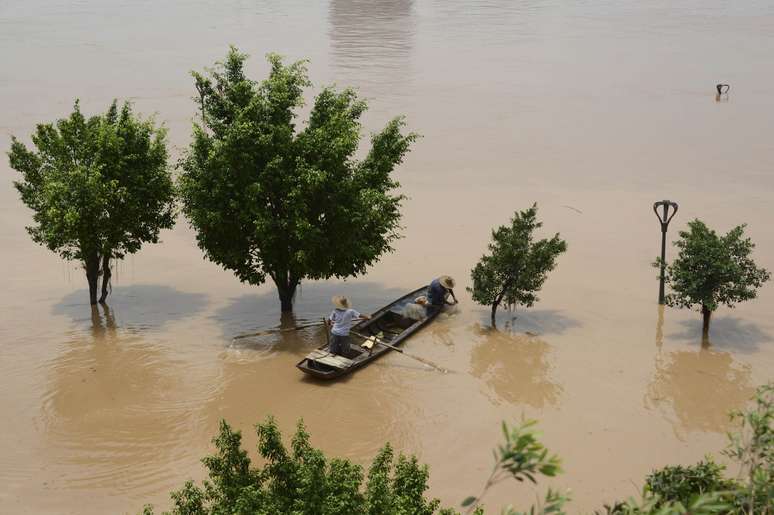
(516, 266)
(712, 270)
(99, 187)
(269, 200)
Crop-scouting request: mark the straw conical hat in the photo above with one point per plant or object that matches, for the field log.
(340, 301)
(446, 281)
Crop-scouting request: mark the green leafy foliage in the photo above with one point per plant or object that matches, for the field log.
(683, 483)
(516, 266)
(712, 270)
(99, 187)
(522, 456)
(651, 504)
(703, 489)
(752, 447)
(268, 200)
(300, 480)
(553, 503)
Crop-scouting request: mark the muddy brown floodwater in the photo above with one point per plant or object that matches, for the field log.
(592, 109)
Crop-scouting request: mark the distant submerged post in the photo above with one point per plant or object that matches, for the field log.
(664, 218)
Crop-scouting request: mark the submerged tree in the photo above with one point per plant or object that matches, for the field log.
(712, 270)
(516, 266)
(99, 188)
(268, 200)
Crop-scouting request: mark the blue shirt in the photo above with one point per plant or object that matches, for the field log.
(342, 320)
(436, 294)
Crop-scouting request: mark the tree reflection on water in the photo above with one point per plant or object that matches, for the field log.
(117, 406)
(696, 389)
(515, 366)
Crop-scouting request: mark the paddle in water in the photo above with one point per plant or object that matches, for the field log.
(412, 356)
(286, 329)
(274, 331)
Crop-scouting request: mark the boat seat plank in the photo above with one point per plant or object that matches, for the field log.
(369, 343)
(334, 361)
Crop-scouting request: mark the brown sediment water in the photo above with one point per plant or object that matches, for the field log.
(593, 110)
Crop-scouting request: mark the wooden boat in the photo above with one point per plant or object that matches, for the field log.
(390, 325)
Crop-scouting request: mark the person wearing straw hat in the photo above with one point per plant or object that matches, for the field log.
(439, 291)
(340, 321)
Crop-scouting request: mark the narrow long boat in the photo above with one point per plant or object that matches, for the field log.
(392, 324)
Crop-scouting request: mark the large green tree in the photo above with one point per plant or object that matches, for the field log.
(712, 270)
(267, 200)
(516, 266)
(99, 188)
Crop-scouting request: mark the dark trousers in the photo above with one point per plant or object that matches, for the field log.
(339, 345)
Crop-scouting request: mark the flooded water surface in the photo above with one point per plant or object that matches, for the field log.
(594, 110)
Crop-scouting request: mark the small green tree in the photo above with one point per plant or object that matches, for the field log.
(267, 200)
(711, 270)
(516, 266)
(99, 188)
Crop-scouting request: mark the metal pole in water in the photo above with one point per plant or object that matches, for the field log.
(664, 220)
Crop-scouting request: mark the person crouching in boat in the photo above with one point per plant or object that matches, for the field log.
(416, 310)
(340, 321)
(440, 290)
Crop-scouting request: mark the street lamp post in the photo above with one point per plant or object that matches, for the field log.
(664, 218)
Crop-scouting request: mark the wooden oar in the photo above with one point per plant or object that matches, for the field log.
(273, 331)
(287, 329)
(412, 356)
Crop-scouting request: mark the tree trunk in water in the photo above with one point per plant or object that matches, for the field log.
(92, 276)
(106, 274)
(286, 290)
(494, 312)
(497, 302)
(495, 305)
(499, 299)
(706, 314)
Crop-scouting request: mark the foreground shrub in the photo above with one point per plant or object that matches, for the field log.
(752, 447)
(301, 480)
(682, 484)
(703, 488)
